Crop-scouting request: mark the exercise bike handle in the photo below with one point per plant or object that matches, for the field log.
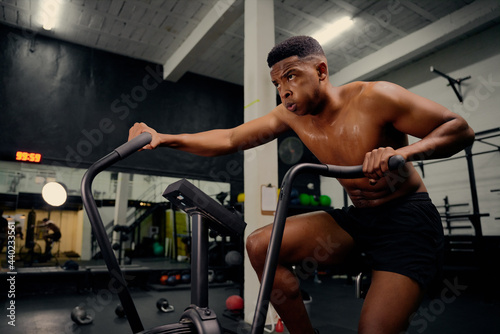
(341, 172)
(354, 172)
(134, 144)
(100, 233)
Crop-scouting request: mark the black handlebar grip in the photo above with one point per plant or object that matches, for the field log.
(134, 144)
(396, 161)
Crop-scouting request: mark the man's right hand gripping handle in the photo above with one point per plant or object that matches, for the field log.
(139, 128)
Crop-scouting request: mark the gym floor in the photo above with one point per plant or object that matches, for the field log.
(470, 305)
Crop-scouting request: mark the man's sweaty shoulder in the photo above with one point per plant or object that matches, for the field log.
(370, 96)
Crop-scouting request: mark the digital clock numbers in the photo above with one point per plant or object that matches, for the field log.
(28, 156)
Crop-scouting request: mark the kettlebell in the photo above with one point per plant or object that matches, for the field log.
(163, 305)
(80, 317)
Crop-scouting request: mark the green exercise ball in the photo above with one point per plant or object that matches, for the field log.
(313, 200)
(158, 249)
(325, 200)
(304, 199)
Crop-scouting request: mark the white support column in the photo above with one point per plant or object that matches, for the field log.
(121, 204)
(261, 163)
(86, 250)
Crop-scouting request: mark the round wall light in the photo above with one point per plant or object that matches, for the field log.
(54, 193)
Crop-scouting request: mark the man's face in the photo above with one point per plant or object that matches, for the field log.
(297, 82)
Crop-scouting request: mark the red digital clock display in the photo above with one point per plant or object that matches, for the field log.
(28, 156)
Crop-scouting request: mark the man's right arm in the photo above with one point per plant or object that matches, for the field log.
(220, 141)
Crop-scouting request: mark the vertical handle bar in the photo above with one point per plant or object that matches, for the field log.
(271, 263)
(118, 282)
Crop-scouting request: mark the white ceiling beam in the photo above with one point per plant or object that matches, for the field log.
(420, 42)
(213, 25)
(301, 14)
(423, 13)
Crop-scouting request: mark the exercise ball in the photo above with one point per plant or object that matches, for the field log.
(233, 258)
(305, 199)
(186, 278)
(325, 200)
(313, 200)
(234, 303)
(172, 280)
(294, 197)
(240, 198)
(163, 279)
(158, 249)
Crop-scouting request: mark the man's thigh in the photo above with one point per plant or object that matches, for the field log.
(314, 237)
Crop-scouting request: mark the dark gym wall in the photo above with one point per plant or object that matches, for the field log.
(75, 104)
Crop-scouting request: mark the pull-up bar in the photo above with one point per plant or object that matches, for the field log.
(452, 82)
(475, 217)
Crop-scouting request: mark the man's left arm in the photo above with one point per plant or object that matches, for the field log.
(442, 133)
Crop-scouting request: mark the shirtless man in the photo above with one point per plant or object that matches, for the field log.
(50, 238)
(394, 223)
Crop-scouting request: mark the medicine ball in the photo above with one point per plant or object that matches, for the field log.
(163, 279)
(171, 280)
(186, 277)
(234, 303)
(233, 258)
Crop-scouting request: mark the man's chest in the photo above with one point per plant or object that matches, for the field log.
(343, 142)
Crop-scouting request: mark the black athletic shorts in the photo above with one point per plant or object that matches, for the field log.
(404, 236)
(54, 236)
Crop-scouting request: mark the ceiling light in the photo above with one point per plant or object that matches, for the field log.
(48, 25)
(49, 13)
(54, 193)
(333, 30)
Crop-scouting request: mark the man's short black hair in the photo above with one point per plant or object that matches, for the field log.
(300, 46)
